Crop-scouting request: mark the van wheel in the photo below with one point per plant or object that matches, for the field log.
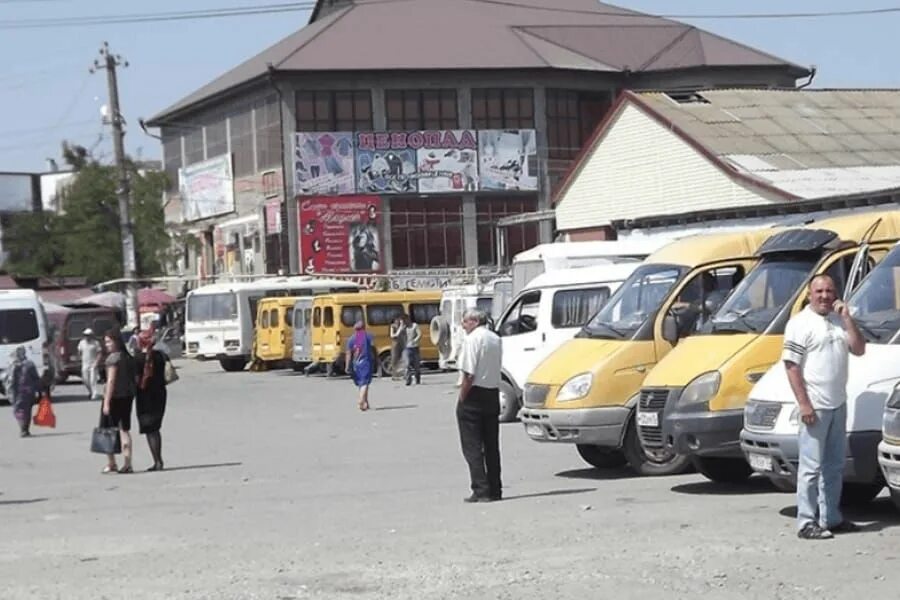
(895, 498)
(385, 363)
(602, 458)
(509, 402)
(723, 470)
(298, 366)
(858, 494)
(232, 365)
(657, 462)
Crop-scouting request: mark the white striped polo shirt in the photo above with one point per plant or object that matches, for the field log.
(821, 347)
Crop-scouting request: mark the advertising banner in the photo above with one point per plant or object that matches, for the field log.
(451, 164)
(508, 159)
(273, 217)
(323, 163)
(340, 234)
(206, 188)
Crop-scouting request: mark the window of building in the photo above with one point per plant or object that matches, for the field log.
(503, 108)
(572, 117)
(172, 152)
(242, 143)
(334, 111)
(268, 134)
(421, 109)
(426, 232)
(518, 237)
(216, 139)
(193, 146)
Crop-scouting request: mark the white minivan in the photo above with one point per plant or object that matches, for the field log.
(550, 310)
(446, 328)
(23, 322)
(771, 416)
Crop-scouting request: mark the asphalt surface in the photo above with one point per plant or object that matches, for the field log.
(279, 488)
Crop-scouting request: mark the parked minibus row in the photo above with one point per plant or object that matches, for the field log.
(680, 366)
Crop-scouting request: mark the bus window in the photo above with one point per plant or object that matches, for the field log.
(273, 317)
(328, 319)
(289, 318)
(317, 317)
(383, 314)
(423, 313)
(307, 318)
(264, 319)
(350, 315)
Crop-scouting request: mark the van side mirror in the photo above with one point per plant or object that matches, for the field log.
(491, 325)
(670, 328)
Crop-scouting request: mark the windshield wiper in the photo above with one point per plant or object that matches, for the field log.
(590, 330)
(731, 324)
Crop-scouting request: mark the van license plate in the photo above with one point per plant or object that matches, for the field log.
(648, 419)
(760, 462)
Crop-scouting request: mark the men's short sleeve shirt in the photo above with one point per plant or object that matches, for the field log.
(481, 357)
(820, 346)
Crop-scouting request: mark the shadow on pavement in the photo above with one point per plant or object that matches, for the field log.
(878, 515)
(550, 493)
(599, 474)
(401, 407)
(16, 502)
(72, 396)
(55, 434)
(754, 485)
(194, 467)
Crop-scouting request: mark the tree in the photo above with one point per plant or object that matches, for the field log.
(85, 240)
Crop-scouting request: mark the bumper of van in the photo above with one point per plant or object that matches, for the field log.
(594, 426)
(704, 433)
(777, 455)
(889, 461)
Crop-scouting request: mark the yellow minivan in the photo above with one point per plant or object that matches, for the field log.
(585, 393)
(334, 315)
(273, 338)
(692, 403)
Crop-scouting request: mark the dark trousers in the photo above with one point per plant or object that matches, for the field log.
(479, 434)
(413, 358)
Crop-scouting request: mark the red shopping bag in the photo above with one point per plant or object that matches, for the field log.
(45, 416)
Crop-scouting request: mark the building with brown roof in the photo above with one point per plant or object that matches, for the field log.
(392, 134)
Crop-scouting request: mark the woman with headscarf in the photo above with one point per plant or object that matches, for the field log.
(118, 397)
(360, 361)
(151, 395)
(22, 387)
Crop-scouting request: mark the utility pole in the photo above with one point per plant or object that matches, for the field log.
(110, 62)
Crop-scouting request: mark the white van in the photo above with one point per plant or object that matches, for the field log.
(551, 309)
(23, 322)
(771, 416)
(446, 328)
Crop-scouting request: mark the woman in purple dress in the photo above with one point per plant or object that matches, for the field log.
(360, 362)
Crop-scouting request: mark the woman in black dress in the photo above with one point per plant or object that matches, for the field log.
(151, 395)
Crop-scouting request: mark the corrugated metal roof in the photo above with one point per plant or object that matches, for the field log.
(808, 143)
(488, 34)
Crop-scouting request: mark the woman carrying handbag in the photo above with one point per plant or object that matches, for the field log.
(118, 397)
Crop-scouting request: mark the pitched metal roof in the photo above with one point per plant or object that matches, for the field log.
(488, 34)
(806, 143)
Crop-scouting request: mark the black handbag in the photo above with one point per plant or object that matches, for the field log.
(106, 440)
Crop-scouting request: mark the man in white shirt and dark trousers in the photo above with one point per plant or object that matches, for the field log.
(413, 356)
(816, 345)
(478, 408)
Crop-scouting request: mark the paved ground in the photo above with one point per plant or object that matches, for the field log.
(278, 488)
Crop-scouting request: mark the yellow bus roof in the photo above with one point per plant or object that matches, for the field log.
(382, 297)
(700, 249)
(850, 228)
(279, 300)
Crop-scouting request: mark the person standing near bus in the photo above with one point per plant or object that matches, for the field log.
(88, 351)
(398, 345)
(413, 355)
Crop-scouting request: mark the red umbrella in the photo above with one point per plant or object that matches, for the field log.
(154, 297)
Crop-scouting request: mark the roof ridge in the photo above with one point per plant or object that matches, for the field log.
(668, 47)
(519, 30)
(340, 14)
(745, 46)
(518, 34)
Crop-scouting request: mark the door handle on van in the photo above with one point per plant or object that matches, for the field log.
(641, 369)
(528, 349)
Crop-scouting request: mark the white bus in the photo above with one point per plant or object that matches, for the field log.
(220, 318)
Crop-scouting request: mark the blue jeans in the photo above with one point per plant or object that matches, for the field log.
(823, 450)
(413, 369)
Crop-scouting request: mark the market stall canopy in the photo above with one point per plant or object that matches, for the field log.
(108, 299)
(154, 297)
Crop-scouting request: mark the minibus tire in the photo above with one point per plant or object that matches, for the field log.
(723, 470)
(644, 464)
(385, 364)
(232, 365)
(895, 498)
(508, 412)
(859, 494)
(601, 458)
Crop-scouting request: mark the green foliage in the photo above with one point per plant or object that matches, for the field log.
(85, 240)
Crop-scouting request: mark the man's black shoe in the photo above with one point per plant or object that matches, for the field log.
(477, 498)
(812, 531)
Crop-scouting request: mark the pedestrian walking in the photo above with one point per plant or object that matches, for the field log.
(150, 365)
(89, 351)
(398, 346)
(118, 397)
(478, 407)
(360, 361)
(816, 346)
(413, 354)
(22, 387)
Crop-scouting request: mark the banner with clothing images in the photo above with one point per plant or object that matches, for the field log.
(508, 159)
(448, 162)
(324, 163)
(206, 188)
(340, 234)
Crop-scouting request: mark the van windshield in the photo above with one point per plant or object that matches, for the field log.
(876, 304)
(212, 307)
(762, 294)
(18, 325)
(636, 300)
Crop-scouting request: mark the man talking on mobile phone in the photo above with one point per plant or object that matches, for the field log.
(817, 342)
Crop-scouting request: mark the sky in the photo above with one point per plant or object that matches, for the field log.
(47, 94)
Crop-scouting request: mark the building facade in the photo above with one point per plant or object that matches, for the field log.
(387, 137)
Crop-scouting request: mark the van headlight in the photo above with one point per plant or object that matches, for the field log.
(894, 400)
(700, 391)
(576, 387)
